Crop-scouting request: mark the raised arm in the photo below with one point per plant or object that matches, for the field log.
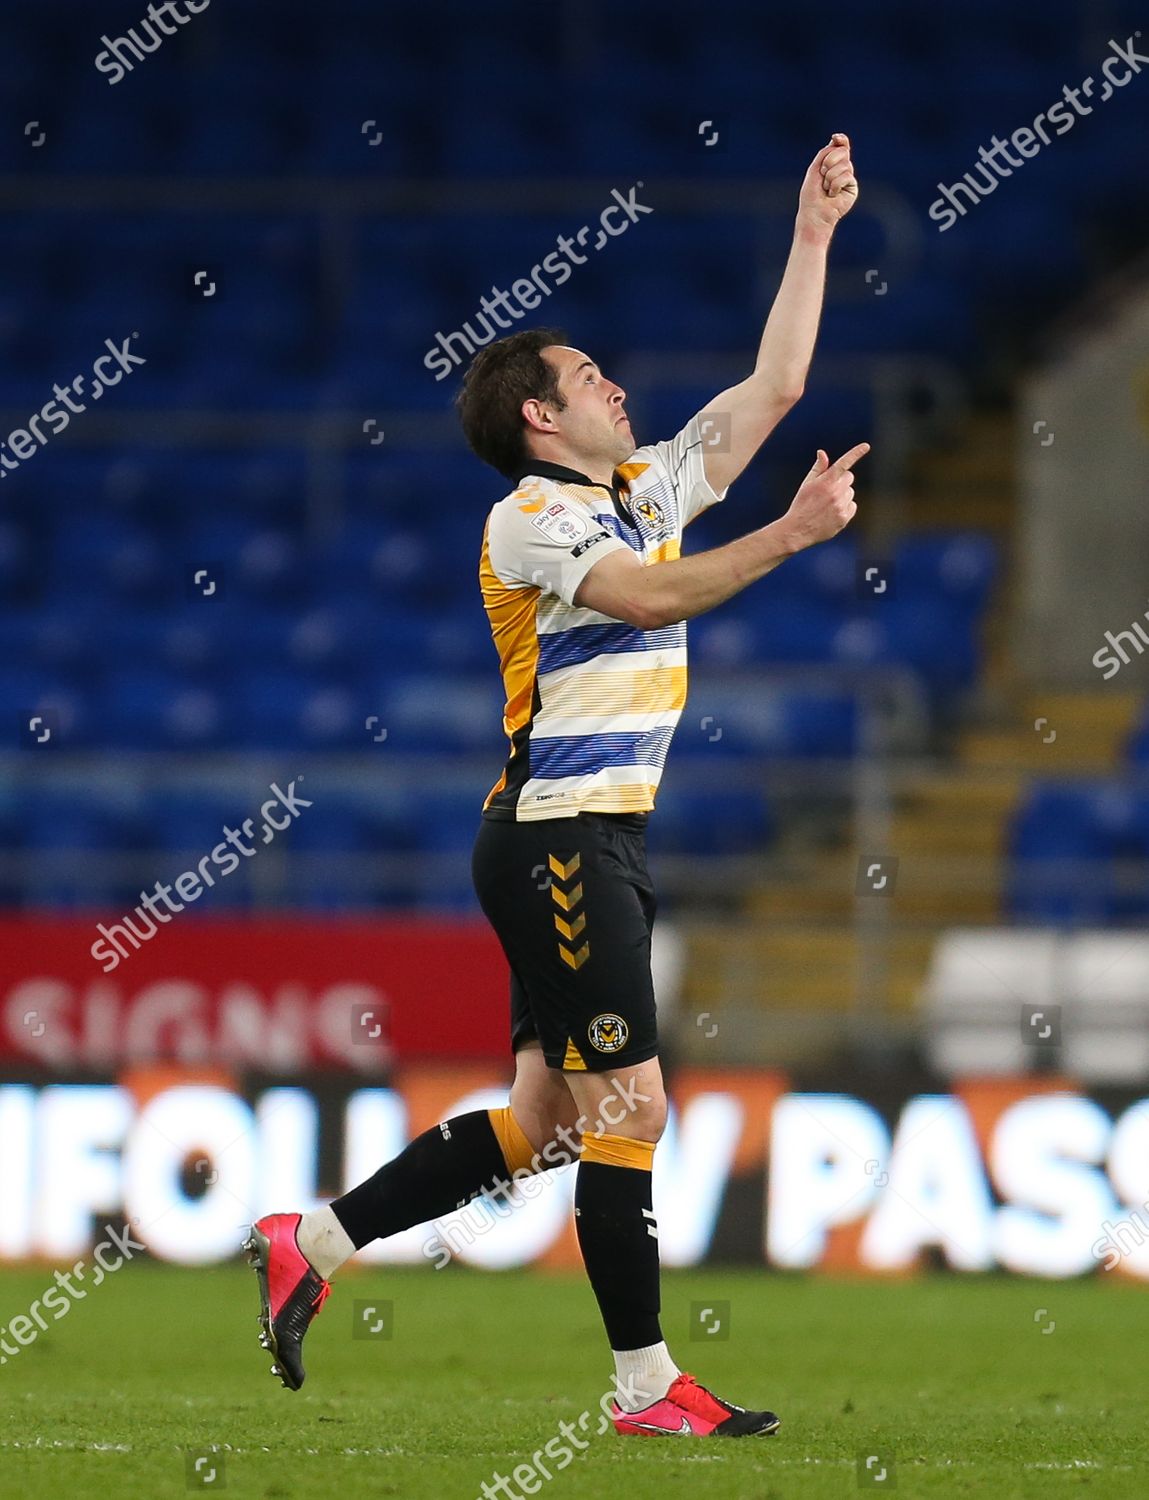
(655, 594)
(750, 411)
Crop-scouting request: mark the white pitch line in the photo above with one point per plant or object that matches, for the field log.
(780, 1462)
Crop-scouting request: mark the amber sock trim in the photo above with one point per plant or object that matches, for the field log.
(518, 1153)
(618, 1151)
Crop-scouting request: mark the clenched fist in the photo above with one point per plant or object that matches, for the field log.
(830, 188)
(824, 503)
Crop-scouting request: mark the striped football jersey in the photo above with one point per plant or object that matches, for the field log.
(591, 702)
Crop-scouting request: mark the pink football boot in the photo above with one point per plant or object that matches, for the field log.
(690, 1410)
(291, 1292)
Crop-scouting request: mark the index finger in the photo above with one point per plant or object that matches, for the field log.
(822, 155)
(848, 460)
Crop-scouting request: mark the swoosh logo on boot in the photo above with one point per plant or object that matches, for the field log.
(667, 1431)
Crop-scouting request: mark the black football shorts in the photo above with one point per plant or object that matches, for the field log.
(573, 906)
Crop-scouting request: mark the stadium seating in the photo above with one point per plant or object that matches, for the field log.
(321, 617)
(1078, 851)
(1139, 739)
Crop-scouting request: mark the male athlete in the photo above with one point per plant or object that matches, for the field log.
(587, 598)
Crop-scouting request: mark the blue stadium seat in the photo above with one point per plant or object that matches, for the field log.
(1138, 750)
(793, 630)
(936, 638)
(63, 703)
(1079, 854)
(146, 708)
(441, 715)
(957, 566)
(99, 556)
(448, 823)
(733, 719)
(393, 562)
(17, 561)
(330, 855)
(827, 573)
(268, 707)
(72, 846)
(711, 820)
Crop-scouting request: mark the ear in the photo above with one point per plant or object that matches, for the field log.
(538, 415)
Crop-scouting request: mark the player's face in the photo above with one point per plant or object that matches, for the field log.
(594, 421)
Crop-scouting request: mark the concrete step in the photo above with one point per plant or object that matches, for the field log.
(1076, 748)
(1112, 714)
(969, 483)
(956, 509)
(952, 792)
(913, 833)
(815, 967)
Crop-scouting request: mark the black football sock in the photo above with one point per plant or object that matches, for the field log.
(618, 1237)
(440, 1171)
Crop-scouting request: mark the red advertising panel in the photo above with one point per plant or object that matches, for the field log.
(283, 995)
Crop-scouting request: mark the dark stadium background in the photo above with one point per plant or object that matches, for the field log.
(903, 839)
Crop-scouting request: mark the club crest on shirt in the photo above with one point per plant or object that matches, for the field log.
(650, 519)
(561, 524)
(608, 1033)
(650, 511)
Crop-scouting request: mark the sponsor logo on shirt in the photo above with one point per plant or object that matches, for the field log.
(561, 524)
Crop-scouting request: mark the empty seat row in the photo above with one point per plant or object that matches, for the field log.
(423, 713)
(1079, 853)
(397, 844)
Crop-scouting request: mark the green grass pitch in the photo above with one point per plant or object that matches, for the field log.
(971, 1386)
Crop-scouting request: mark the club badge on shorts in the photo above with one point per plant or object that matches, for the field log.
(608, 1033)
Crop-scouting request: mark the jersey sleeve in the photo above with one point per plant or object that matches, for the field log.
(552, 545)
(681, 460)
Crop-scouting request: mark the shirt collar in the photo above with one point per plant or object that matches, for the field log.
(541, 468)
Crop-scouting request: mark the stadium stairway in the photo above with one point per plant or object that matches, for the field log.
(806, 948)
(1101, 724)
(967, 483)
(811, 951)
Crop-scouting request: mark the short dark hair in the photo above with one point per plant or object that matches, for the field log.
(498, 380)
